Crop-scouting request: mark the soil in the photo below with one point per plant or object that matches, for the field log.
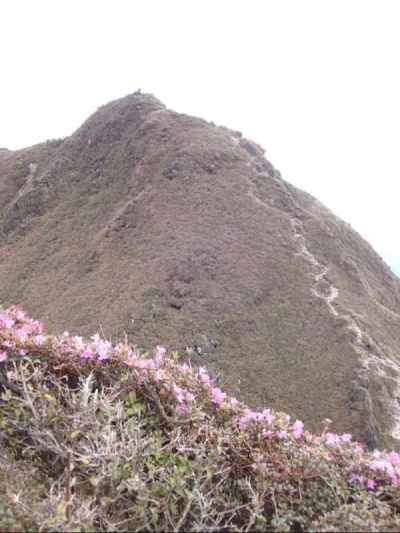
(174, 231)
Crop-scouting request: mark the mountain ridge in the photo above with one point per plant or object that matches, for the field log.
(177, 231)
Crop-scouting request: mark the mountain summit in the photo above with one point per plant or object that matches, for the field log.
(171, 230)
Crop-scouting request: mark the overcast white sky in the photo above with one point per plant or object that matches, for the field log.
(315, 82)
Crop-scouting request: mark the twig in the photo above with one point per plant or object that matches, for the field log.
(67, 492)
(28, 399)
(9, 385)
(185, 513)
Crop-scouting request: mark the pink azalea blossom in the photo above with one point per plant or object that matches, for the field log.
(268, 416)
(6, 322)
(3, 356)
(146, 364)
(78, 342)
(160, 375)
(384, 466)
(205, 378)
(217, 396)
(346, 438)
(21, 334)
(184, 368)
(394, 458)
(249, 416)
(189, 397)
(8, 344)
(39, 340)
(96, 338)
(101, 347)
(23, 352)
(233, 402)
(35, 326)
(132, 357)
(19, 314)
(371, 484)
(297, 429)
(159, 356)
(179, 394)
(282, 434)
(181, 408)
(332, 440)
(357, 479)
(87, 354)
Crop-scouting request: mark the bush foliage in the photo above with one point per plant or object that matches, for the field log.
(96, 436)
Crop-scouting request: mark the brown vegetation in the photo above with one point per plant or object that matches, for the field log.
(179, 232)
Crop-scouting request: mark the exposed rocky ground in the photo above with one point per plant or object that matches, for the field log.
(177, 232)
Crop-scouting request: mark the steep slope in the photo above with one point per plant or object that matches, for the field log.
(176, 231)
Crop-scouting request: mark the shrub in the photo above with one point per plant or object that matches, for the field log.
(97, 436)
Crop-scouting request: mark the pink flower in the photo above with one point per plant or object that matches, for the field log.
(95, 338)
(179, 394)
(189, 397)
(268, 416)
(297, 429)
(160, 354)
(19, 314)
(8, 344)
(3, 356)
(181, 408)
(39, 340)
(357, 479)
(346, 438)
(87, 354)
(78, 342)
(394, 458)
(282, 434)
(145, 364)
(23, 352)
(268, 434)
(217, 396)
(132, 357)
(371, 484)
(102, 347)
(233, 402)
(384, 466)
(205, 378)
(184, 368)
(5, 321)
(332, 440)
(160, 375)
(249, 416)
(21, 334)
(35, 326)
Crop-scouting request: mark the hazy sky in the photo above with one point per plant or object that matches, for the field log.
(315, 82)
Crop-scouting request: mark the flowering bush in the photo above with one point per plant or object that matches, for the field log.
(96, 436)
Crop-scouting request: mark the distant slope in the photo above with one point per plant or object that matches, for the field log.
(173, 230)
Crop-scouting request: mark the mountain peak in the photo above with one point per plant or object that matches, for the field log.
(168, 229)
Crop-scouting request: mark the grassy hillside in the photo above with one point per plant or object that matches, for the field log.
(176, 231)
(96, 436)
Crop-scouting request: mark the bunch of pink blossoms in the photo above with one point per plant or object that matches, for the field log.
(20, 335)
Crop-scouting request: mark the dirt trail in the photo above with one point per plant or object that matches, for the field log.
(371, 357)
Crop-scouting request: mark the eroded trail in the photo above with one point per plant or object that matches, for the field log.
(372, 358)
